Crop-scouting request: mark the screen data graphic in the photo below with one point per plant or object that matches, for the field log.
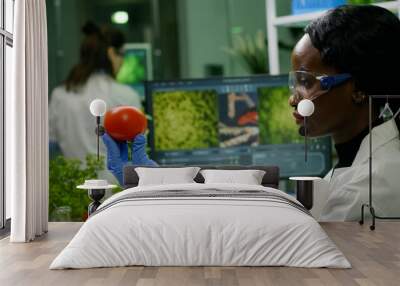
(230, 121)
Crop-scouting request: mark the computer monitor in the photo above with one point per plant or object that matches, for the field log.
(136, 67)
(230, 121)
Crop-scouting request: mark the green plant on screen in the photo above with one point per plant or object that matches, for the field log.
(132, 70)
(185, 120)
(275, 117)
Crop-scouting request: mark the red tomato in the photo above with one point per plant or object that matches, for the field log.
(124, 122)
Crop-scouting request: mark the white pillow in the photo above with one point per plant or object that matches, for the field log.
(166, 176)
(248, 177)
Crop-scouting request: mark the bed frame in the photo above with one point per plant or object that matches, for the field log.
(270, 179)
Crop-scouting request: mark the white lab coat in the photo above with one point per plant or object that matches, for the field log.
(339, 197)
(70, 122)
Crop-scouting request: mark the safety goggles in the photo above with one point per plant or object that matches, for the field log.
(307, 85)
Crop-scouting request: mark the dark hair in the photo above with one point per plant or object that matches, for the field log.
(363, 41)
(93, 54)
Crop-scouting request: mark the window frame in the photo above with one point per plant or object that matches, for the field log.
(6, 39)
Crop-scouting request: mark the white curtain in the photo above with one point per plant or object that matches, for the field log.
(27, 124)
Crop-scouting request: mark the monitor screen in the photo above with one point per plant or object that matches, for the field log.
(230, 121)
(136, 67)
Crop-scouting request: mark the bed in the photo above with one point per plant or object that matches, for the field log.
(198, 224)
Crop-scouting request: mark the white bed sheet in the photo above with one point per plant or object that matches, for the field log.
(202, 232)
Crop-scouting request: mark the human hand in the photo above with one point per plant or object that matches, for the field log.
(139, 155)
(117, 156)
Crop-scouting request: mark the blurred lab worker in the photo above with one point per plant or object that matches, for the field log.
(346, 55)
(71, 124)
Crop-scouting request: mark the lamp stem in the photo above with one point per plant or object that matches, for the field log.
(98, 137)
(305, 139)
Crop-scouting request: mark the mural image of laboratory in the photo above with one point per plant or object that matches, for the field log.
(151, 93)
(188, 142)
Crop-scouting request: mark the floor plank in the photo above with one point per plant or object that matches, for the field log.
(375, 257)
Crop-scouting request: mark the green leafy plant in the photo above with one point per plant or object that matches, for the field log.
(251, 50)
(65, 174)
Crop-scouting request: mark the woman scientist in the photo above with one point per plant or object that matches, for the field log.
(71, 125)
(346, 55)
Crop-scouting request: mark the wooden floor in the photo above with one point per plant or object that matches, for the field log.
(375, 257)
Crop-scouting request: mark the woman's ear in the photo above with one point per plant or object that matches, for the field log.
(115, 58)
(111, 53)
(358, 97)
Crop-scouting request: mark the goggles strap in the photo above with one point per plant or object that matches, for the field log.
(328, 82)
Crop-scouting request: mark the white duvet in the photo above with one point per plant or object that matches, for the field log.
(200, 231)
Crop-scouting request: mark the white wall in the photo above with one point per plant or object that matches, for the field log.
(203, 33)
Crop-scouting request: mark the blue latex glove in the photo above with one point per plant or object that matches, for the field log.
(117, 155)
(139, 155)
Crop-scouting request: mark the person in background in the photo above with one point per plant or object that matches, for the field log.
(346, 55)
(72, 126)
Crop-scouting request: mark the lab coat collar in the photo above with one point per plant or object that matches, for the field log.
(381, 135)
